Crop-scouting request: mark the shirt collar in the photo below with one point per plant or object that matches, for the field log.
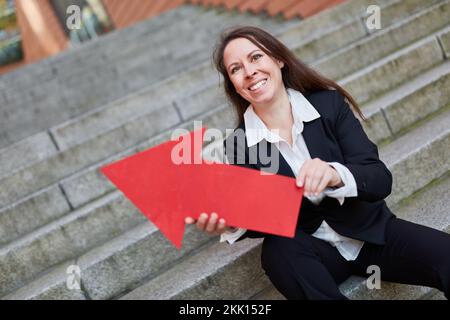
(256, 130)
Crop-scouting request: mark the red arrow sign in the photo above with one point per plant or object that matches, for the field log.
(166, 193)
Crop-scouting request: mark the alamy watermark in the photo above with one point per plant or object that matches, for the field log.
(373, 21)
(73, 21)
(73, 280)
(374, 281)
(265, 154)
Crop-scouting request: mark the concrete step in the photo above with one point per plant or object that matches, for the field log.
(325, 20)
(434, 295)
(116, 113)
(217, 272)
(116, 266)
(137, 42)
(394, 69)
(407, 104)
(49, 67)
(32, 212)
(89, 54)
(19, 155)
(437, 135)
(348, 11)
(386, 41)
(109, 80)
(428, 207)
(100, 54)
(62, 239)
(419, 156)
(200, 35)
(312, 47)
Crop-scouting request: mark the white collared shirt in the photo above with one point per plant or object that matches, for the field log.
(302, 111)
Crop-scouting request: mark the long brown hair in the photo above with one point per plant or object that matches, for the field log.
(295, 73)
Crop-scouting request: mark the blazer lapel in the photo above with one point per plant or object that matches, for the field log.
(315, 140)
(283, 167)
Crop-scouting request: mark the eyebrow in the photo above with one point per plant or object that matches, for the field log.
(232, 64)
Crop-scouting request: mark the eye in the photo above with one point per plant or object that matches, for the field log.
(256, 56)
(233, 70)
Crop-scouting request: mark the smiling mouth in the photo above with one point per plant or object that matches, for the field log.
(258, 85)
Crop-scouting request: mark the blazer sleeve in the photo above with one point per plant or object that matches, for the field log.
(373, 178)
(239, 156)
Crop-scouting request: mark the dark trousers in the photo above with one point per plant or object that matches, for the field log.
(309, 268)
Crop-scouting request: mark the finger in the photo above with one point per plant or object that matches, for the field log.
(301, 177)
(189, 220)
(300, 180)
(221, 226)
(335, 177)
(317, 177)
(326, 176)
(305, 185)
(308, 183)
(323, 183)
(211, 226)
(201, 222)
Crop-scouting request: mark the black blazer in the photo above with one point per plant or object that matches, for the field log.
(336, 136)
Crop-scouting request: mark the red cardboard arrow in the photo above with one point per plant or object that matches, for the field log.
(166, 192)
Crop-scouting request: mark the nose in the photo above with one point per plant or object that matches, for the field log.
(249, 70)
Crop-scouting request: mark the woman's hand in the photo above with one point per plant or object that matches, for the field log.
(213, 225)
(315, 175)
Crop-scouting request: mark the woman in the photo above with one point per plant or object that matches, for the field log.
(344, 224)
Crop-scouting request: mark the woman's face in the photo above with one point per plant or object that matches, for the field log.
(255, 75)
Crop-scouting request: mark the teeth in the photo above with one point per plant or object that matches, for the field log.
(258, 85)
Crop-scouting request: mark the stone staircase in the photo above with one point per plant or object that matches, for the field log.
(111, 67)
(57, 210)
